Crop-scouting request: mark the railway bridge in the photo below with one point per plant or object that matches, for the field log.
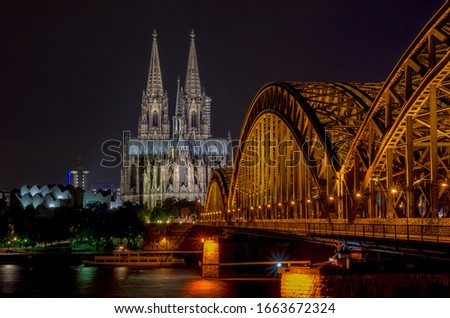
(360, 160)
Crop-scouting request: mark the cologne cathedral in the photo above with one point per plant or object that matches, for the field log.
(165, 161)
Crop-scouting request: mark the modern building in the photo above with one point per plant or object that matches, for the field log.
(5, 196)
(102, 197)
(47, 196)
(56, 195)
(162, 162)
(101, 189)
(78, 177)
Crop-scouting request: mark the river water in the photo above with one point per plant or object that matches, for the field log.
(18, 280)
(55, 278)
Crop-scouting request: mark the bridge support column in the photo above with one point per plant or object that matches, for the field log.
(211, 258)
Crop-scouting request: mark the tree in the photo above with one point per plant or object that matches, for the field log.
(4, 220)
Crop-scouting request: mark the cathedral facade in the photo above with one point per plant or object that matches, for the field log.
(175, 160)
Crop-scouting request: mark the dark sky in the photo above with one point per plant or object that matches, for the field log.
(72, 72)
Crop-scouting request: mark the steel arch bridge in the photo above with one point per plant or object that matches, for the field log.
(347, 150)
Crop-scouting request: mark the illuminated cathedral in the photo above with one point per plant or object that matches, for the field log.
(164, 161)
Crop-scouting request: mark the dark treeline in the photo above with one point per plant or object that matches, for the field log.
(96, 225)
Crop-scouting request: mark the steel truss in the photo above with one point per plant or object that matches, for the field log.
(346, 150)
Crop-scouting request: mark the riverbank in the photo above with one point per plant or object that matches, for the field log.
(39, 258)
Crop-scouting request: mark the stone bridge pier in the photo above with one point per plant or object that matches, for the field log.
(211, 258)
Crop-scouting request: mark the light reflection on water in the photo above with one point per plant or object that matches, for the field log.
(310, 283)
(80, 281)
(8, 277)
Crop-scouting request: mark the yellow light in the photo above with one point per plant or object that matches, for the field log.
(210, 249)
(331, 198)
(268, 205)
(251, 208)
(444, 184)
(259, 207)
(292, 202)
(295, 285)
(394, 190)
(279, 204)
(309, 201)
(358, 195)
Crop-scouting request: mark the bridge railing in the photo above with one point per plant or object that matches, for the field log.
(399, 232)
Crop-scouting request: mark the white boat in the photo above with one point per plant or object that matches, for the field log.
(135, 259)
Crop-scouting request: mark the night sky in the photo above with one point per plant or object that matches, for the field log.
(72, 72)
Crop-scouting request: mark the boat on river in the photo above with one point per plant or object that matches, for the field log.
(135, 259)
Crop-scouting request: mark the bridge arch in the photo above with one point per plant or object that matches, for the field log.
(216, 202)
(292, 145)
(404, 164)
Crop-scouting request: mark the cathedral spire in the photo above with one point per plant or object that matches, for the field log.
(154, 82)
(154, 118)
(193, 86)
(178, 100)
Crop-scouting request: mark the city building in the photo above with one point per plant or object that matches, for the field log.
(104, 188)
(101, 197)
(56, 195)
(78, 177)
(46, 196)
(160, 163)
(5, 196)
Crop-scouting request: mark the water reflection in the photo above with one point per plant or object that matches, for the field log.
(312, 283)
(8, 275)
(203, 288)
(79, 281)
(301, 285)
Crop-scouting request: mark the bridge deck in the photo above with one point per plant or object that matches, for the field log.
(387, 231)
